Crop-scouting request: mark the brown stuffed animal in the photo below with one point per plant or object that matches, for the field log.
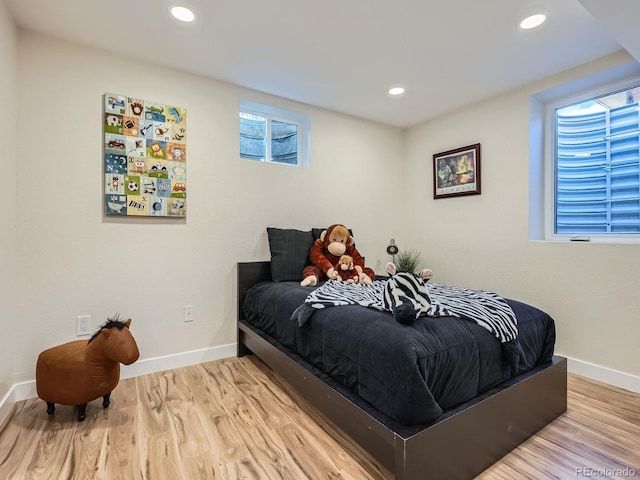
(346, 270)
(77, 372)
(325, 253)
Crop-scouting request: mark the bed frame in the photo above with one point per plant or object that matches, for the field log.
(459, 446)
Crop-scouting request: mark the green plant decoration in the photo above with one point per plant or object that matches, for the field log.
(408, 260)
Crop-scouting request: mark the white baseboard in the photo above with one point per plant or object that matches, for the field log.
(7, 403)
(177, 360)
(603, 374)
(26, 390)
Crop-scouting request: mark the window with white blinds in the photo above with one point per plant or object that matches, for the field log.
(597, 165)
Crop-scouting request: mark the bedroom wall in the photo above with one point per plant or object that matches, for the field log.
(74, 261)
(8, 73)
(482, 241)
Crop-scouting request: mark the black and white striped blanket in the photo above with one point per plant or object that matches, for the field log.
(487, 309)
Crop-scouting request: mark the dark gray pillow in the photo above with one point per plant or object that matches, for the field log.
(289, 253)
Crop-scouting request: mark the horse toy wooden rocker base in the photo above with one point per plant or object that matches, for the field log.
(78, 372)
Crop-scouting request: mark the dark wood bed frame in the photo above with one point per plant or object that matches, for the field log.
(460, 446)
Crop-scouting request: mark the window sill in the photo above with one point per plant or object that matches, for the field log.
(600, 240)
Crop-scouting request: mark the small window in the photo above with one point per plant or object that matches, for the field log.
(270, 134)
(594, 165)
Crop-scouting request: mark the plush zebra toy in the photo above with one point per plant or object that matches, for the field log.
(405, 294)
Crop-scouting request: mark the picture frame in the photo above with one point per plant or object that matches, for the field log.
(457, 172)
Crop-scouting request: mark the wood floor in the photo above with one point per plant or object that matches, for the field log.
(232, 419)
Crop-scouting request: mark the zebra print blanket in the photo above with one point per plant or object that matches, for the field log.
(487, 309)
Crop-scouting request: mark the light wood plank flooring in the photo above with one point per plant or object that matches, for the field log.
(232, 419)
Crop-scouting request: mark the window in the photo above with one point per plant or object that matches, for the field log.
(598, 165)
(270, 134)
(585, 159)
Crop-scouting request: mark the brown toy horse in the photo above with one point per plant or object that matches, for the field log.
(77, 372)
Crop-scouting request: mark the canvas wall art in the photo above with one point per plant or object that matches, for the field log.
(145, 158)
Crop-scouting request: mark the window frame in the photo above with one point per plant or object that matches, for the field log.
(301, 120)
(565, 97)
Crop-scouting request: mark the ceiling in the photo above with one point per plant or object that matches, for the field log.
(343, 55)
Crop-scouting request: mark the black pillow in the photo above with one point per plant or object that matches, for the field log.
(289, 253)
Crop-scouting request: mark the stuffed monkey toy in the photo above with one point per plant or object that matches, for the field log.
(346, 270)
(325, 254)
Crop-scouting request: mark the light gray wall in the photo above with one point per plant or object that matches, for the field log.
(482, 241)
(74, 261)
(10, 203)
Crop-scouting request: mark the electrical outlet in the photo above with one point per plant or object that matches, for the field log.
(188, 313)
(83, 325)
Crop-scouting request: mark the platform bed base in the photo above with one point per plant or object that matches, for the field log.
(459, 446)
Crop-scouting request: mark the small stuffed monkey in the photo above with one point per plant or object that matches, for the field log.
(346, 270)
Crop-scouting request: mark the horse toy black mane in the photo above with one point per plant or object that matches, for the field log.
(110, 323)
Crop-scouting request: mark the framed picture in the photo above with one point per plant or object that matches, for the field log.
(457, 172)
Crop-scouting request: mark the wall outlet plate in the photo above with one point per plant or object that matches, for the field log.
(83, 325)
(188, 313)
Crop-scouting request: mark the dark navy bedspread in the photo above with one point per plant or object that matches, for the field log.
(409, 373)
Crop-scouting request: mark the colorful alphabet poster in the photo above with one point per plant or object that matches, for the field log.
(145, 158)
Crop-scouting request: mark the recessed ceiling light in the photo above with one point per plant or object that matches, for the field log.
(532, 21)
(183, 14)
(396, 91)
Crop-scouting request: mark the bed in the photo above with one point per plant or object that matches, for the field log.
(432, 427)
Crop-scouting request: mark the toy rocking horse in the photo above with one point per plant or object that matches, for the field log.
(77, 372)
